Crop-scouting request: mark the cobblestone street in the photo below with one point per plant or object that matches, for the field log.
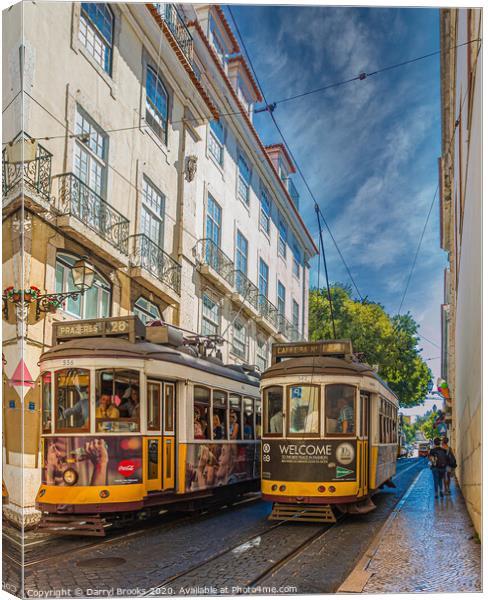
(428, 545)
(237, 550)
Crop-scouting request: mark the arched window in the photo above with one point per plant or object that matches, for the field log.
(94, 303)
(97, 31)
(146, 310)
(156, 104)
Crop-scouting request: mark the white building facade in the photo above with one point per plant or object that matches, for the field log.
(461, 222)
(186, 217)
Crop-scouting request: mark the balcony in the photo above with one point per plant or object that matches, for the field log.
(246, 292)
(170, 15)
(215, 264)
(287, 330)
(152, 266)
(82, 211)
(26, 172)
(268, 314)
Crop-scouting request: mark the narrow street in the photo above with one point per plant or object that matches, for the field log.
(232, 550)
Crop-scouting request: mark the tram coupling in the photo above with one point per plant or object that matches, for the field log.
(58, 524)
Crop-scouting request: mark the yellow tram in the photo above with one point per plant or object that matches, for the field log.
(138, 420)
(329, 431)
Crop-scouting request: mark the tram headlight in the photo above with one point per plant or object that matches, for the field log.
(70, 477)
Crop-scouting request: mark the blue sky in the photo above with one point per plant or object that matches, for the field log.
(368, 149)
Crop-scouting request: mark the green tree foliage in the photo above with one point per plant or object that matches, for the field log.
(389, 342)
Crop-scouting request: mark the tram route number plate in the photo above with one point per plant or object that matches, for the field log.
(308, 460)
(129, 326)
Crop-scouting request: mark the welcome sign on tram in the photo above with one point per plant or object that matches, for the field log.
(331, 460)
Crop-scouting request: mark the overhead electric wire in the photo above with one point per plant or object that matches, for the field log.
(326, 272)
(292, 156)
(269, 107)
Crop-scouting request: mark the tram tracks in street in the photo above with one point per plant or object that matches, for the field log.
(254, 544)
(151, 524)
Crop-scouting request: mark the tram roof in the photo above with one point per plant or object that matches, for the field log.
(322, 365)
(121, 348)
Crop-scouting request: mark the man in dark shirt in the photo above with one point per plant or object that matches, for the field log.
(438, 464)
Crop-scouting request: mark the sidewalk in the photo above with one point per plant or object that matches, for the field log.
(427, 545)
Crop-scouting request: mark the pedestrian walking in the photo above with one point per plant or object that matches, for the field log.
(451, 465)
(438, 464)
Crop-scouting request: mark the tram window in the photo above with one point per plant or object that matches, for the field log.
(219, 415)
(273, 410)
(46, 402)
(169, 408)
(201, 413)
(72, 400)
(340, 413)
(303, 409)
(118, 400)
(258, 419)
(235, 417)
(153, 406)
(248, 418)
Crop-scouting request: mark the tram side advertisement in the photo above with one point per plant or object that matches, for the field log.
(314, 461)
(92, 461)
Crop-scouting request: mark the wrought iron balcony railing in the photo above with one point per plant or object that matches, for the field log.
(289, 330)
(246, 288)
(152, 258)
(35, 173)
(268, 310)
(170, 15)
(76, 199)
(208, 253)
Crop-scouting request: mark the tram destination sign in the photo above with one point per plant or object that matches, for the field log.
(303, 349)
(130, 327)
(309, 460)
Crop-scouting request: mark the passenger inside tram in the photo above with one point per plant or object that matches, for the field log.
(130, 405)
(118, 405)
(218, 430)
(106, 409)
(340, 408)
(233, 425)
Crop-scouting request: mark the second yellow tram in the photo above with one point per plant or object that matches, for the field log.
(329, 431)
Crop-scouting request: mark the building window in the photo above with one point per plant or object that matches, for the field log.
(214, 221)
(210, 316)
(94, 303)
(244, 180)
(239, 339)
(96, 32)
(157, 101)
(265, 212)
(216, 140)
(146, 310)
(217, 42)
(297, 259)
(261, 353)
(282, 239)
(281, 298)
(296, 315)
(241, 253)
(152, 213)
(91, 149)
(263, 278)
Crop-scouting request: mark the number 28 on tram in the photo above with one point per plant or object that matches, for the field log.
(330, 429)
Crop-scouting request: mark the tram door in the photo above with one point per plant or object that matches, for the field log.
(152, 443)
(169, 437)
(364, 445)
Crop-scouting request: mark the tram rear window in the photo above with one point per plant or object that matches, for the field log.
(46, 403)
(340, 409)
(273, 411)
(72, 400)
(303, 409)
(118, 400)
